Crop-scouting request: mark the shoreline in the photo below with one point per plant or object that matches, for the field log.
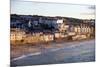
(20, 50)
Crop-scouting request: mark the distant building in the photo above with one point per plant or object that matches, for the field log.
(17, 34)
(55, 26)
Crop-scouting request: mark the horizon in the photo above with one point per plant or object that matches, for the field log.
(55, 16)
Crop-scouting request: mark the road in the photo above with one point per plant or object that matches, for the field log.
(75, 52)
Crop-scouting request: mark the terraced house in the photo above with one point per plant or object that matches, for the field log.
(47, 28)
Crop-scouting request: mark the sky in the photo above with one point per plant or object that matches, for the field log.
(53, 9)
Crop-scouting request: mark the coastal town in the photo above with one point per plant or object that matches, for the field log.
(33, 37)
(33, 29)
(51, 33)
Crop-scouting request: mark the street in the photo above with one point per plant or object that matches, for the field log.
(74, 52)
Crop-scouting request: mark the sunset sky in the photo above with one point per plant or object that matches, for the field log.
(52, 9)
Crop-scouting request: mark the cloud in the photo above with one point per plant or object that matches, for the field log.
(92, 7)
(92, 13)
(91, 10)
